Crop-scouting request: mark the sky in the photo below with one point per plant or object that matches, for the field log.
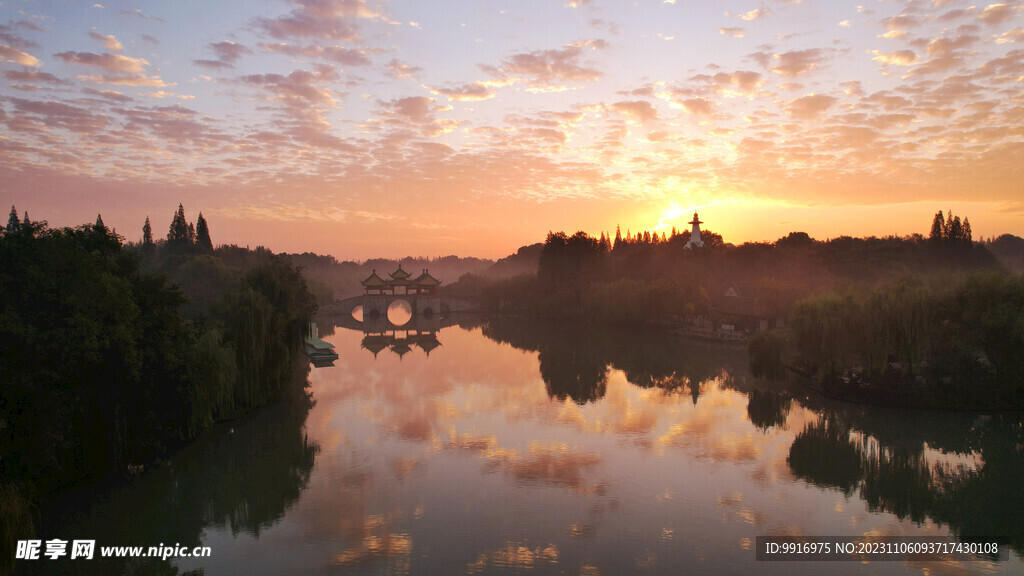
(364, 128)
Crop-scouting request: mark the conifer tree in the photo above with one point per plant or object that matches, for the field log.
(203, 234)
(618, 237)
(147, 234)
(967, 232)
(178, 234)
(937, 234)
(25, 220)
(191, 233)
(947, 228)
(956, 230)
(100, 226)
(13, 223)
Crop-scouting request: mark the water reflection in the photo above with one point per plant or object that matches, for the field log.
(528, 447)
(574, 359)
(242, 478)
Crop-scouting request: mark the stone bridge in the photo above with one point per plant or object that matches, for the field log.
(375, 309)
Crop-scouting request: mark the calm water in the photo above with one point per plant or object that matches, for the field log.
(528, 448)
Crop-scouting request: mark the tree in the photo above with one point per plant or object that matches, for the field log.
(178, 234)
(937, 233)
(100, 226)
(147, 234)
(947, 228)
(13, 223)
(618, 237)
(203, 241)
(191, 233)
(956, 230)
(966, 231)
(25, 220)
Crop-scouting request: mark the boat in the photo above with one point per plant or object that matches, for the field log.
(320, 352)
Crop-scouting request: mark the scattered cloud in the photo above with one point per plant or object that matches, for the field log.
(797, 62)
(734, 32)
(995, 14)
(549, 68)
(8, 54)
(336, 54)
(140, 14)
(638, 110)
(109, 62)
(809, 107)
(398, 69)
(466, 93)
(108, 41)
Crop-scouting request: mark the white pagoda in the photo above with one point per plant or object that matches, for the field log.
(695, 241)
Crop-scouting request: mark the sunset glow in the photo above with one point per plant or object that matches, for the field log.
(361, 128)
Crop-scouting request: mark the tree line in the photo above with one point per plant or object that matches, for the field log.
(652, 278)
(909, 343)
(105, 365)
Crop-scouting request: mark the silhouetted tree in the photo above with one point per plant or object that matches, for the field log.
(13, 223)
(99, 225)
(938, 229)
(25, 220)
(147, 234)
(191, 233)
(178, 234)
(966, 233)
(956, 230)
(618, 237)
(203, 241)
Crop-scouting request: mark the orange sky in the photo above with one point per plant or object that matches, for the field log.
(364, 129)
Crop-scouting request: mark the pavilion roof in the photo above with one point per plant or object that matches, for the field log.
(425, 279)
(400, 274)
(374, 281)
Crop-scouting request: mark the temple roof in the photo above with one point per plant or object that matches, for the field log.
(374, 281)
(426, 279)
(400, 274)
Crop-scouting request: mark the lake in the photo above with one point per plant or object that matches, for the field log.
(506, 446)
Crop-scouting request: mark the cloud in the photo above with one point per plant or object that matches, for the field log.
(109, 41)
(61, 115)
(33, 76)
(124, 80)
(149, 39)
(298, 89)
(466, 93)
(754, 14)
(944, 54)
(734, 32)
(797, 62)
(809, 107)
(109, 62)
(549, 68)
(399, 69)
(697, 106)
(112, 95)
(337, 54)
(8, 54)
(900, 21)
(10, 36)
(415, 109)
(227, 54)
(1012, 35)
(325, 19)
(897, 57)
(639, 110)
(140, 14)
(995, 14)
